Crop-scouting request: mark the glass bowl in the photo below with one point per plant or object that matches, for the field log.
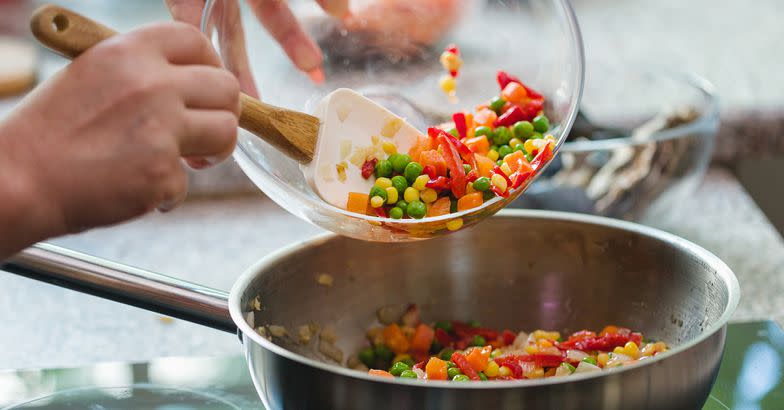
(629, 176)
(536, 40)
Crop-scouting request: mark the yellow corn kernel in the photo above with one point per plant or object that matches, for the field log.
(543, 334)
(515, 142)
(428, 195)
(400, 357)
(389, 147)
(376, 201)
(540, 143)
(648, 350)
(454, 224)
(529, 146)
(619, 350)
(450, 61)
(538, 373)
(391, 195)
(383, 183)
(504, 371)
(420, 182)
(493, 155)
(447, 84)
(492, 369)
(549, 137)
(531, 349)
(470, 188)
(602, 358)
(544, 343)
(499, 182)
(411, 195)
(505, 167)
(660, 347)
(632, 349)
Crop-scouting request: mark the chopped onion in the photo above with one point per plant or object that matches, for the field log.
(576, 355)
(521, 340)
(563, 370)
(585, 367)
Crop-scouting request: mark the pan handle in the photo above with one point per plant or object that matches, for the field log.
(125, 284)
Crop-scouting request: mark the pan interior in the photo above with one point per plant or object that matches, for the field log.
(520, 273)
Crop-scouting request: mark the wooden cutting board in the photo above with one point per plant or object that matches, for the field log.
(17, 66)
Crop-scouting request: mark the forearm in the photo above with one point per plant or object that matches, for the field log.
(23, 217)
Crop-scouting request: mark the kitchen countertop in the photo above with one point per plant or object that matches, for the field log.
(212, 241)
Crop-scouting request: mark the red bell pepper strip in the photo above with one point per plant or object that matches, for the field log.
(460, 360)
(443, 337)
(512, 363)
(497, 170)
(452, 48)
(421, 365)
(472, 176)
(439, 184)
(508, 336)
(430, 171)
(543, 360)
(504, 194)
(452, 157)
(368, 167)
(532, 108)
(603, 343)
(465, 153)
(380, 212)
(510, 117)
(504, 79)
(542, 156)
(461, 125)
(519, 178)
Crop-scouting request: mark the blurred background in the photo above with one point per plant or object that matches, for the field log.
(717, 183)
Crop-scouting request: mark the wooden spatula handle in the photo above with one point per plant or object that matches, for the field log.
(71, 34)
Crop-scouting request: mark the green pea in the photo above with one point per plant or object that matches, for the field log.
(520, 148)
(483, 376)
(450, 364)
(474, 323)
(376, 191)
(408, 374)
(502, 136)
(496, 104)
(383, 169)
(416, 209)
(494, 148)
(367, 357)
(398, 368)
(383, 353)
(399, 162)
(402, 205)
(454, 132)
(460, 378)
(452, 372)
(478, 341)
(466, 168)
(400, 183)
(446, 354)
(504, 150)
(482, 184)
(409, 362)
(444, 324)
(488, 195)
(589, 360)
(499, 163)
(411, 171)
(483, 130)
(536, 136)
(435, 347)
(529, 157)
(523, 129)
(541, 123)
(395, 213)
(452, 205)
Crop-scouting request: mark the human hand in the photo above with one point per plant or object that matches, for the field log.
(276, 17)
(102, 141)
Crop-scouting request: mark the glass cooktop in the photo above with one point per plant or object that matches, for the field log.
(750, 379)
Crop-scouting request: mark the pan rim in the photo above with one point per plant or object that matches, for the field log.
(723, 271)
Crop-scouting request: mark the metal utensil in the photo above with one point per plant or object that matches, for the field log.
(573, 272)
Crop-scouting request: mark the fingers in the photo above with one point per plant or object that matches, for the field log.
(208, 133)
(280, 22)
(335, 8)
(180, 43)
(207, 88)
(174, 190)
(187, 11)
(232, 45)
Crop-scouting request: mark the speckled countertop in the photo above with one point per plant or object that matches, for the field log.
(212, 241)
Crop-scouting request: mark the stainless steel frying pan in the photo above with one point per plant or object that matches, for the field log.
(519, 270)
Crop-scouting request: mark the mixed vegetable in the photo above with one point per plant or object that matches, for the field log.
(463, 351)
(480, 155)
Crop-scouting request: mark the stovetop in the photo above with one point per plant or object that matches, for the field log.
(750, 378)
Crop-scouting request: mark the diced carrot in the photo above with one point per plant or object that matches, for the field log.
(514, 93)
(485, 117)
(469, 201)
(439, 207)
(516, 160)
(434, 159)
(470, 124)
(608, 330)
(478, 358)
(478, 144)
(380, 373)
(436, 369)
(357, 202)
(484, 165)
(423, 338)
(394, 339)
(423, 143)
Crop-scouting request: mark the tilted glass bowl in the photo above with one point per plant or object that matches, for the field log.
(536, 40)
